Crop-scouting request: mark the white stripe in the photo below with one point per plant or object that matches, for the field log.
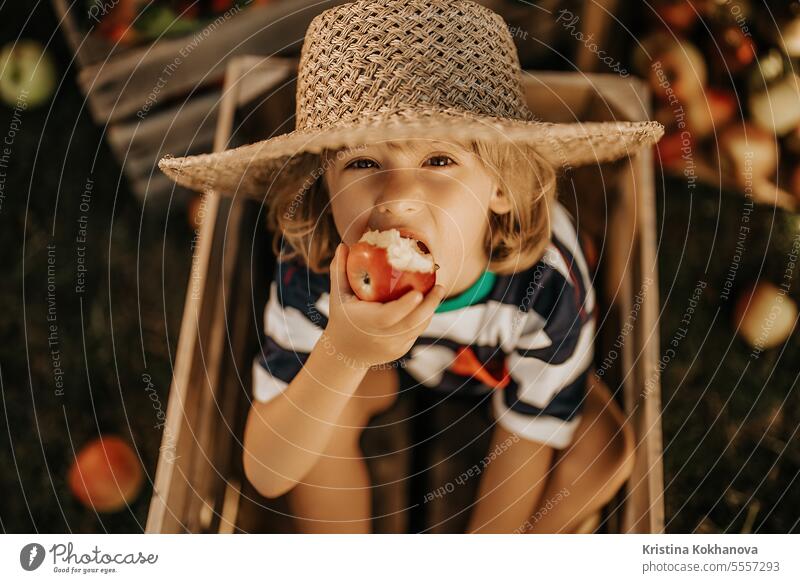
(265, 386)
(535, 340)
(540, 381)
(290, 328)
(323, 304)
(545, 429)
(428, 362)
(488, 324)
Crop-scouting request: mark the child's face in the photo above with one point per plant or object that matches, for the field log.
(439, 191)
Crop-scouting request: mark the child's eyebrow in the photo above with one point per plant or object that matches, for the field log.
(424, 145)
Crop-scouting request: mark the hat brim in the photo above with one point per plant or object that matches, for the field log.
(257, 169)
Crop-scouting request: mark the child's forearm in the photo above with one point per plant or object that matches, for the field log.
(284, 437)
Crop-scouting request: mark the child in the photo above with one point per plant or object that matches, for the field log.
(411, 115)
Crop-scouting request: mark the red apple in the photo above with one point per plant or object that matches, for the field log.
(670, 149)
(677, 15)
(106, 474)
(709, 112)
(384, 265)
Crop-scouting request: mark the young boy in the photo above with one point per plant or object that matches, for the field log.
(411, 115)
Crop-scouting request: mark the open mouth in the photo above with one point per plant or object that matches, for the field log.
(422, 247)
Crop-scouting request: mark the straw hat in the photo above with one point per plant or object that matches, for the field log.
(375, 70)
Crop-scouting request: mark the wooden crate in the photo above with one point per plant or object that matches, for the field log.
(199, 485)
(117, 81)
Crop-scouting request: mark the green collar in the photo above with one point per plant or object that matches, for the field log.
(472, 295)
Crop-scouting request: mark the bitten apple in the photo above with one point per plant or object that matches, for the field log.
(384, 265)
(106, 474)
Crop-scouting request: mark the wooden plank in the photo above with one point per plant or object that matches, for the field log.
(595, 24)
(188, 128)
(171, 488)
(173, 131)
(86, 47)
(645, 512)
(223, 347)
(120, 87)
(212, 350)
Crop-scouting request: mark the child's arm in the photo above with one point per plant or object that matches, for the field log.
(285, 436)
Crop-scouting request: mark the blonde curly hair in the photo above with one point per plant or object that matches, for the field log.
(302, 222)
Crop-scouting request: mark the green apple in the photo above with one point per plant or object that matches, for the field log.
(27, 74)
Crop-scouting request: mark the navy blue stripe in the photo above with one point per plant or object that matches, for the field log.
(280, 363)
(565, 405)
(301, 288)
(555, 303)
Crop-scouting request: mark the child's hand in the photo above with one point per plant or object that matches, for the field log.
(370, 333)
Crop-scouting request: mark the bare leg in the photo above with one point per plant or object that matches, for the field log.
(587, 475)
(335, 496)
(510, 485)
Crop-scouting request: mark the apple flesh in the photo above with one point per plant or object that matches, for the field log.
(106, 474)
(384, 266)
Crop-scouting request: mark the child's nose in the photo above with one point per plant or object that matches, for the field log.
(402, 193)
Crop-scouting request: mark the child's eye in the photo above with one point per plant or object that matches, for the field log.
(360, 164)
(442, 161)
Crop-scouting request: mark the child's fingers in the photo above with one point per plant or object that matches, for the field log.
(392, 312)
(340, 287)
(422, 313)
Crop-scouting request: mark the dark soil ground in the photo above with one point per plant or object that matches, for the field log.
(730, 420)
(121, 326)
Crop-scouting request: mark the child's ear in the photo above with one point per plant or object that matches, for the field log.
(500, 203)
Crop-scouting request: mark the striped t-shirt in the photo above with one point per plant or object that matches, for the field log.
(527, 337)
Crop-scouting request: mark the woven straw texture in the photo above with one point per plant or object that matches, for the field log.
(376, 70)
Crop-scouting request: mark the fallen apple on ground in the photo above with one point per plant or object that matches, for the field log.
(384, 265)
(106, 474)
(765, 315)
(27, 74)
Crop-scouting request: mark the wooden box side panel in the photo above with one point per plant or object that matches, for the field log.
(199, 404)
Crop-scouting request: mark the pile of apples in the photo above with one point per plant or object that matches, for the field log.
(724, 74)
(725, 78)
